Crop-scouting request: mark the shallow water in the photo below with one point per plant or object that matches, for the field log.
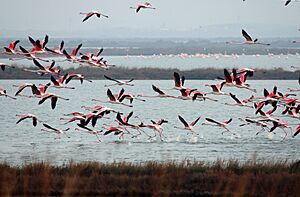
(188, 62)
(23, 142)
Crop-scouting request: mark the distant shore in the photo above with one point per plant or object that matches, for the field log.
(151, 73)
(219, 178)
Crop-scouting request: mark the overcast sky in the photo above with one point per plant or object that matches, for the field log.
(62, 19)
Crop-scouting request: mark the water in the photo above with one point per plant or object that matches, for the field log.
(25, 143)
(187, 62)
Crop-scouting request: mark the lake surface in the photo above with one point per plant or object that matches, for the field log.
(187, 62)
(25, 143)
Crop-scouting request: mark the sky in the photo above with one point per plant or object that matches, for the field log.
(203, 18)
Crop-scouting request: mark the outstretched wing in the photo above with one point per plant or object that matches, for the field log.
(213, 121)
(287, 2)
(246, 35)
(49, 127)
(109, 78)
(156, 89)
(195, 121)
(183, 121)
(110, 95)
(234, 98)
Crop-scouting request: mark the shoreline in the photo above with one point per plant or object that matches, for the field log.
(218, 178)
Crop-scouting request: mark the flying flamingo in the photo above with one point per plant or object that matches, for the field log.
(115, 99)
(145, 5)
(26, 116)
(256, 122)
(240, 83)
(72, 57)
(282, 125)
(91, 13)
(29, 55)
(3, 93)
(53, 98)
(11, 49)
(59, 83)
(202, 96)
(52, 129)
(119, 82)
(38, 46)
(161, 94)
(156, 126)
(81, 77)
(90, 131)
(216, 89)
(45, 69)
(249, 39)
(219, 124)
(115, 130)
(187, 126)
(4, 65)
(57, 50)
(22, 87)
(238, 102)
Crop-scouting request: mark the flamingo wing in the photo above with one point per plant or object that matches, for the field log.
(213, 121)
(183, 121)
(110, 95)
(156, 89)
(246, 35)
(49, 127)
(287, 2)
(195, 121)
(109, 78)
(88, 16)
(176, 79)
(234, 98)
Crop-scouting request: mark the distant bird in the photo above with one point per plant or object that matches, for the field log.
(91, 13)
(249, 39)
(26, 116)
(4, 65)
(3, 93)
(187, 126)
(145, 5)
(118, 82)
(219, 124)
(54, 130)
(53, 98)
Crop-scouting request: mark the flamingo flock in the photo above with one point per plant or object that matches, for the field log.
(263, 107)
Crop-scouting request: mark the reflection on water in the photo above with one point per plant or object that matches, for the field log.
(22, 142)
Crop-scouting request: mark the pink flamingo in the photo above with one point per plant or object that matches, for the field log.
(187, 126)
(55, 130)
(91, 13)
(3, 93)
(53, 98)
(26, 116)
(145, 5)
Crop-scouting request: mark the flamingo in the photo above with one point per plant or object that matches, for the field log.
(3, 93)
(29, 55)
(91, 13)
(216, 89)
(53, 98)
(90, 131)
(45, 69)
(187, 126)
(115, 130)
(4, 65)
(38, 46)
(72, 57)
(115, 99)
(26, 116)
(22, 87)
(201, 95)
(81, 77)
(256, 122)
(282, 125)
(238, 102)
(52, 129)
(219, 124)
(240, 83)
(145, 5)
(249, 39)
(11, 48)
(59, 83)
(156, 126)
(161, 94)
(57, 50)
(119, 82)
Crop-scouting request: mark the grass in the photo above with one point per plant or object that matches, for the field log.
(220, 178)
